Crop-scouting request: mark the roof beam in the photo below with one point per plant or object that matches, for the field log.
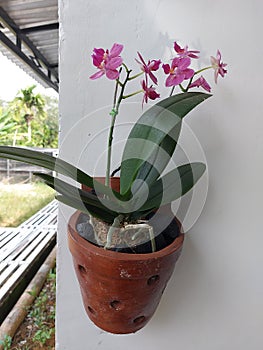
(15, 49)
(42, 68)
(44, 27)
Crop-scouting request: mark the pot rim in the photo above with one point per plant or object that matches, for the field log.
(86, 245)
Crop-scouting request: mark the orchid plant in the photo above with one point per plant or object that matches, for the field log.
(149, 146)
(110, 63)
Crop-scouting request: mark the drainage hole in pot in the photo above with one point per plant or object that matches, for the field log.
(91, 310)
(115, 304)
(139, 320)
(153, 279)
(82, 269)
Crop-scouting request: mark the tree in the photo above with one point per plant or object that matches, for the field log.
(50, 126)
(6, 126)
(28, 105)
(43, 125)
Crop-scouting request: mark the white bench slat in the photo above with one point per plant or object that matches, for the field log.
(39, 248)
(33, 244)
(17, 245)
(8, 272)
(20, 247)
(4, 233)
(11, 282)
(45, 221)
(11, 235)
(47, 215)
(3, 265)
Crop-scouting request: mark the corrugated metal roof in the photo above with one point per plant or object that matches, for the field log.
(32, 28)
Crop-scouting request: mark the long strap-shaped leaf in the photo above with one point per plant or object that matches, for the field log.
(173, 185)
(75, 195)
(55, 164)
(85, 208)
(153, 139)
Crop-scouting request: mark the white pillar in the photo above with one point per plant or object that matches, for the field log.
(214, 300)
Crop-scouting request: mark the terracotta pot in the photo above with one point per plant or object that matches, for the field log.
(114, 183)
(120, 291)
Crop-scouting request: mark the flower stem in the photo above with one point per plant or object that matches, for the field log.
(203, 69)
(172, 91)
(190, 82)
(136, 76)
(133, 94)
(182, 88)
(114, 112)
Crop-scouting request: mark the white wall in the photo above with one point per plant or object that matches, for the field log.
(215, 298)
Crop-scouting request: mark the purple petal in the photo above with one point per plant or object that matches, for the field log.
(201, 82)
(218, 56)
(112, 74)
(175, 62)
(206, 86)
(188, 73)
(154, 65)
(144, 86)
(116, 50)
(141, 58)
(97, 60)
(192, 54)
(97, 75)
(216, 75)
(213, 61)
(99, 52)
(153, 94)
(153, 77)
(113, 63)
(166, 68)
(222, 71)
(184, 63)
(178, 48)
(174, 80)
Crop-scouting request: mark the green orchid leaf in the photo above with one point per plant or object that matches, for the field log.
(85, 208)
(153, 139)
(56, 164)
(76, 193)
(173, 185)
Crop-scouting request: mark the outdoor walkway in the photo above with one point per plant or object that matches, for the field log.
(22, 251)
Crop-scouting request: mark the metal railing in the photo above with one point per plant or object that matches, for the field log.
(11, 169)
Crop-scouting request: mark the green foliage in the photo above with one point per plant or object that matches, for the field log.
(33, 292)
(39, 315)
(6, 126)
(46, 134)
(36, 118)
(153, 139)
(149, 148)
(42, 335)
(6, 342)
(154, 135)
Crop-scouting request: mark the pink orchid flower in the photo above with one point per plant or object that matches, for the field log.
(107, 61)
(149, 92)
(218, 66)
(201, 82)
(152, 65)
(184, 52)
(178, 71)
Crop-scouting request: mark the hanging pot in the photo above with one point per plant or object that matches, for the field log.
(121, 291)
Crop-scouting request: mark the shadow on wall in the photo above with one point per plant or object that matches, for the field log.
(184, 294)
